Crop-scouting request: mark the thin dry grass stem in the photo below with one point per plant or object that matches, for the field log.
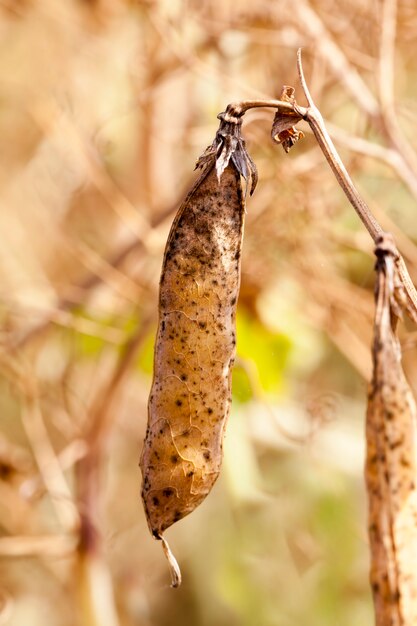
(194, 63)
(389, 156)
(48, 463)
(87, 327)
(48, 115)
(95, 592)
(45, 546)
(252, 373)
(67, 303)
(65, 319)
(109, 275)
(350, 345)
(101, 409)
(313, 116)
(33, 487)
(331, 287)
(406, 161)
(311, 23)
(347, 329)
(115, 261)
(96, 602)
(93, 574)
(386, 84)
(357, 241)
(387, 54)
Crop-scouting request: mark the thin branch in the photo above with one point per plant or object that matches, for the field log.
(390, 123)
(48, 463)
(101, 414)
(313, 116)
(92, 571)
(389, 156)
(387, 54)
(93, 280)
(293, 112)
(303, 80)
(308, 21)
(34, 487)
(43, 546)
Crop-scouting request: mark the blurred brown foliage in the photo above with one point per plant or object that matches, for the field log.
(105, 106)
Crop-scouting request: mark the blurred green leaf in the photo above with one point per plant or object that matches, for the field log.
(145, 357)
(268, 350)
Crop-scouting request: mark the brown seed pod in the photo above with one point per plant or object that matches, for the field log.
(391, 462)
(190, 397)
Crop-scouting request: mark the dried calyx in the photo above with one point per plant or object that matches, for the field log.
(229, 145)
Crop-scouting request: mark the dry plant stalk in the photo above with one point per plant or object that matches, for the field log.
(391, 458)
(195, 346)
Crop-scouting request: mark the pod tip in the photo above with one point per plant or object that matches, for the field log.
(173, 564)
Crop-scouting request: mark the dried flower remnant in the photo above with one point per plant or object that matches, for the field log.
(190, 397)
(283, 129)
(391, 459)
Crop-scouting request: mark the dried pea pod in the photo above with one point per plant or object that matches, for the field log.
(190, 397)
(391, 462)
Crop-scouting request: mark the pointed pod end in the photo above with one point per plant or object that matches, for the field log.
(172, 562)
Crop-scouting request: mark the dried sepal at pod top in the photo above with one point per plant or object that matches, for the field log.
(229, 145)
(283, 127)
(391, 462)
(190, 397)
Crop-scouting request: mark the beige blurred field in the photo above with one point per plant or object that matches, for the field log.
(105, 105)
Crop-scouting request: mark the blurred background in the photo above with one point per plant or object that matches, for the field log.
(105, 105)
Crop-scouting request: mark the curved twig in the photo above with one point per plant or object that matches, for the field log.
(291, 113)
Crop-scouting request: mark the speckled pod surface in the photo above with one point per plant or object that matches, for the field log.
(195, 345)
